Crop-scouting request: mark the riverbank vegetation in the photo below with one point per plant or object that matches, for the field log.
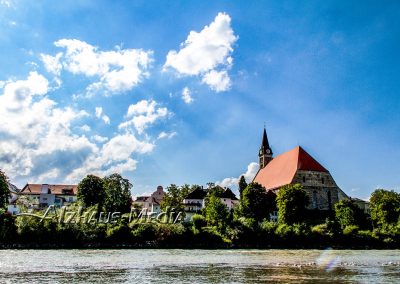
(246, 226)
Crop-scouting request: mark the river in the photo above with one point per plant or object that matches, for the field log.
(199, 266)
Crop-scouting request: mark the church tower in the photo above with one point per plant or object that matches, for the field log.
(265, 153)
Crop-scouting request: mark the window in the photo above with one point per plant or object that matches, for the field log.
(329, 200)
(315, 199)
(304, 178)
(323, 180)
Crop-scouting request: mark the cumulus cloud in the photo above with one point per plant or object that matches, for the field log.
(115, 71)
(38, 142)
(52, 64)
(99, 139)
(143, 114)
(34, 132)
(186, 96)
(113, 156)
(205, 51)
(249, 175)
(218, 81)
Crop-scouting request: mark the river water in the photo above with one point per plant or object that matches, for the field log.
(199, 266)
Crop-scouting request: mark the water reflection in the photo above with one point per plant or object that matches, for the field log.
(198, 266)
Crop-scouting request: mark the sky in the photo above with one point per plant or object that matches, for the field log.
(179, 91)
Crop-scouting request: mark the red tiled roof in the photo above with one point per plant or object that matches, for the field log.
(282, 169)
(54, 189)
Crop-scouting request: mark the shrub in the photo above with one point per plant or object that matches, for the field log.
(351, 230)
(198, 222)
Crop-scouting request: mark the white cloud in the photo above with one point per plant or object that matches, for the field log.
(99, 112)
(205, 51)
(38, 143)
(249, 175)
(218, 81)
(85, 128)
(166, 135)
(117, 70)
(99, 139)
(186, 96)
(106, 119)
(113, 156)
(143, 114)
(52, 64)
(35, 134)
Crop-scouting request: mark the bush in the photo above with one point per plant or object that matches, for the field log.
(198, 222)
(119, 234)
(146, 232)
(8, 229)
(351, 230)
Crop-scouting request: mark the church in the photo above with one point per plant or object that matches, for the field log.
(296, 166)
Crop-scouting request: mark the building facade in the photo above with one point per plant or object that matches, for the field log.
(151, 203)
(44, 195)
(296, 166)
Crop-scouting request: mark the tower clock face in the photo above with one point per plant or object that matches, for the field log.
(268, 151)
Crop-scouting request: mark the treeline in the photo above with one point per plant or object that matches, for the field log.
(246, 226)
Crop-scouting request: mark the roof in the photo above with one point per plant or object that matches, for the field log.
(62, 189)
(12, 188)
(198, 193)
(229, 194)
(142, 199)
(282, 169)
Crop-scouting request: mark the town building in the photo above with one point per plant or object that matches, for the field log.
(194, 202)
(43, 195)
(151, 203)
(12, 207)
(296, 166)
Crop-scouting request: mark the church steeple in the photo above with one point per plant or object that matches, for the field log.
(265, 153)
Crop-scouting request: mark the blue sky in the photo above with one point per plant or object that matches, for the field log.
(179, 91)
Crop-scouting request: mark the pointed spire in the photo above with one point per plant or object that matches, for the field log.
(265, 142)
(265, 154)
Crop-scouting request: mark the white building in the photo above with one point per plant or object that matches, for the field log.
(194, 201)
(43, 195)
(151, 203)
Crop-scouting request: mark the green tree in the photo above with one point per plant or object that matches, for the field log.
(91, 191)
(117, 193)
(347, 213)
(256, 203)
(174, 196)
(242, 186)
(216, 212)
(4, 191)
(291, 201)
(385, 207)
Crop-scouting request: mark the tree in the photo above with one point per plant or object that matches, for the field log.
(4, 191)
(117, 194)
(242, 186)
(174, 196)
(385, 207)
(347, 213)
(216, 212)
(91, 191)
(256, 203)
(291, 201)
